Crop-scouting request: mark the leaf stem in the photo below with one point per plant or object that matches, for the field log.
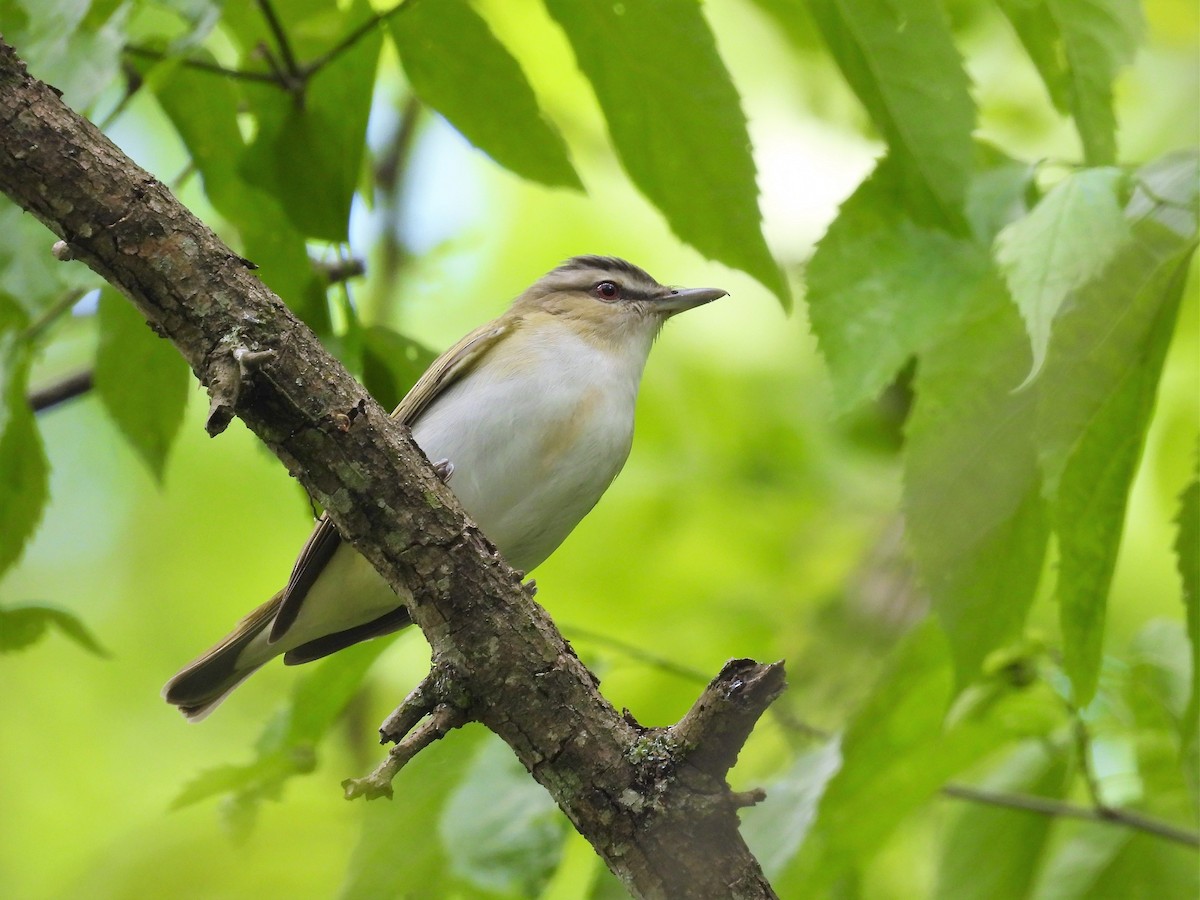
(353, 38)
(51, 314)
(204, 65)
(1061, 809)
(282, 42)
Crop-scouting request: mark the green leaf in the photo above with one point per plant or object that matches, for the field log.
(1187, 554)
(141, 379)
(1097, 394)
(32, 279)
(458, 67)
(24, 474)
(23, 626)
(992, 853)
(1062, 243)
(977, 526)
(899, 58)
(898, 751)
(203, 108)
(793, 20)
(881, 287)
(1035, 26)
(66, 44)
(396, 852)
(288, 744)
(775, 828)
(999, 193)
(1102, 861)
(392, 363)
(1078, 46)
(501, 830)
(323, 137)
(676, 122)
(308, 24)
(1098, 37)
(1158, 676)
(320, 696)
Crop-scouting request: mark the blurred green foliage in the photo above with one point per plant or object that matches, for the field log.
(964, 509)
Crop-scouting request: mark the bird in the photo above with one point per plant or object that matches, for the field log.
(529, 418)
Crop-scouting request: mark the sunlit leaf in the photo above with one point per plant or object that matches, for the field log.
(1187, 553)
(288, 744)
(397, 849)
(141, 380)
(1102, 861)
(1064, 241)
(30, 277)
(899, 58)
(68, 44)
(676, 122)
(1038, 31)
(881, 287)
(308, 154)
(993, 853)
(457, 66)
(1098, 37)
(392, 363)
(502, 831)
(23, 469)
(1078, 46)
(1096, 396)
(23, 626)
(775, 828)
(204, 108)
(977, 525)
(309, 25)
(898, 751)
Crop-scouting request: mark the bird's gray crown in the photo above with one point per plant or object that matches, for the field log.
(581, 272)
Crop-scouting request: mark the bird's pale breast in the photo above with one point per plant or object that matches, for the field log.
(534, 445)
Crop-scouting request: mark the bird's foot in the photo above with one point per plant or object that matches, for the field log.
(443, 468)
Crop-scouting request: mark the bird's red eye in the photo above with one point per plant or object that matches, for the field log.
(607, 290)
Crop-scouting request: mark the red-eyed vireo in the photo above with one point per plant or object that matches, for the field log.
(533, 416)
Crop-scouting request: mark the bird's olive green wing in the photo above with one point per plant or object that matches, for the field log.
(324, 540)
(449, 368)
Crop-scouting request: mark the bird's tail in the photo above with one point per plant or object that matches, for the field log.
(202, 684)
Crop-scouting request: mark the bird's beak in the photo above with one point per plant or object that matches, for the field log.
(687, 298)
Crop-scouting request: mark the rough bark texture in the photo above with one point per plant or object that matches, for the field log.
(653, 802)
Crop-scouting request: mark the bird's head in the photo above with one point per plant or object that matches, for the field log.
(609, 300)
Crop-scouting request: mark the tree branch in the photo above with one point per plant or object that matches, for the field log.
(662, 818)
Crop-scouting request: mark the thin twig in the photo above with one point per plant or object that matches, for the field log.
(51, 314)
(341, 269)
(204, 65)
(295, 75)
(133, 84)
(652, 660)
(60, 391)
(392, 183)
(1047, 807)
(1083, 749)
(637, 654)
(353, 38)
(441, 722)
(282, 42)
